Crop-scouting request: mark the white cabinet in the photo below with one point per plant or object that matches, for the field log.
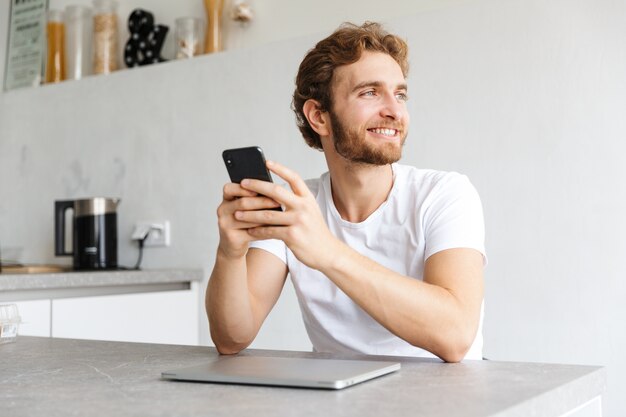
(35, 317)
(159, 306)
(157, 317)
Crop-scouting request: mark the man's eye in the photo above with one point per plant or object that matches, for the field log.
(368, 93)
(402, 96)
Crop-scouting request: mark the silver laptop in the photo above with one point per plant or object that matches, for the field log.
(290, 372)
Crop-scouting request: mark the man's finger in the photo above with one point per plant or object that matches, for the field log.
(232, 191)
(264, 217)
(239, 225)
(297, 184)
(271, 190)
(255, 203)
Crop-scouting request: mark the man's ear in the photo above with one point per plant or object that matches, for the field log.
(318, 118)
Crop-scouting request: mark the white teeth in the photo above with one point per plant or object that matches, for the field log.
(386, 132)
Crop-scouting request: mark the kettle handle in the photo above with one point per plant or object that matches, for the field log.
(59, 226)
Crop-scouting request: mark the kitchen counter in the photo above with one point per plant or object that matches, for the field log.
(19, 287)
(60, 377)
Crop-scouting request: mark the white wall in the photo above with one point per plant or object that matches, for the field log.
(527, 97)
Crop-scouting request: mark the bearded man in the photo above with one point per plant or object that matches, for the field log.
(385, 259)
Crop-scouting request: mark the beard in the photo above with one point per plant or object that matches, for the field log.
(351, 144)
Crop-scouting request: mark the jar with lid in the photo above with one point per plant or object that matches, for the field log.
(105, 34)
(55, 34)
(78, 38)
(189, 32)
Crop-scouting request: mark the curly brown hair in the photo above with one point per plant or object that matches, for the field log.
(343, 47)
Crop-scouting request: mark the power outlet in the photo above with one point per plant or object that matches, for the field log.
(158, 233)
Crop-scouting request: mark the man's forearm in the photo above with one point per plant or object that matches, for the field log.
(228, 305)
(425, 315)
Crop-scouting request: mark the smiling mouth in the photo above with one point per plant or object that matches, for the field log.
(391, 133)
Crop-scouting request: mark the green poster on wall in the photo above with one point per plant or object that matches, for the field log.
(27, 43)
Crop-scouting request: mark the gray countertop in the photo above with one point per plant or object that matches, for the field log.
(16, 287)
(61, 377)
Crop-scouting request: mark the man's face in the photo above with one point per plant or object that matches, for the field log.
(369, 119)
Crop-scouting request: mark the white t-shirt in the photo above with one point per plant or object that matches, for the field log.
(426, 212)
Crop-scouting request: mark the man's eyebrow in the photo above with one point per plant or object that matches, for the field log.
(364, 84)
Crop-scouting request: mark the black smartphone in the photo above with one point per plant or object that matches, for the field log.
(246, 163)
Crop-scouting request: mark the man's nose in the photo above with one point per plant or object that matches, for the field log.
(393, 108)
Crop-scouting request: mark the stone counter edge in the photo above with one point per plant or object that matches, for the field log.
(82, 279)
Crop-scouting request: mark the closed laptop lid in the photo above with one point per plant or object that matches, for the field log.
(293, 372)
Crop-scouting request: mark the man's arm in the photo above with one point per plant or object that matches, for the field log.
(244, 284)
(440, 314)
(240, 295)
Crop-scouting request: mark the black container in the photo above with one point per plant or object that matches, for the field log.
(94, 244)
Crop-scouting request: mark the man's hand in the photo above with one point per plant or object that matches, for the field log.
(234, 237)
(301, 225)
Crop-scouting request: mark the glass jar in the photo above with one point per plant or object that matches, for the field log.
(189, 33)
(78, 39)
(105, 34)
(55, 33)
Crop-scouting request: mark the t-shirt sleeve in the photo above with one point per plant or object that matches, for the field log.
(273, 246)
(454, 217)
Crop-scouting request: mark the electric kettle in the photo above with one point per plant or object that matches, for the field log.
(94, 244)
